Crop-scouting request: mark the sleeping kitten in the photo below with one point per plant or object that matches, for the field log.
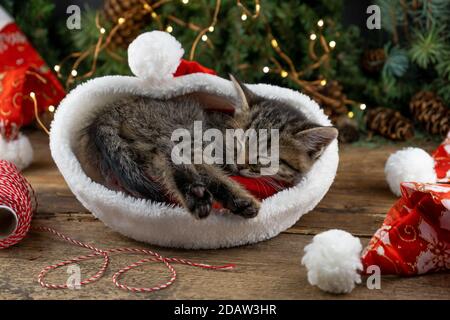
(130, 145)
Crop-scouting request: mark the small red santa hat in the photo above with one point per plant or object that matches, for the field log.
(414, 238)
(23, 73)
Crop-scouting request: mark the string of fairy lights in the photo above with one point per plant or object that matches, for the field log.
(203, 34)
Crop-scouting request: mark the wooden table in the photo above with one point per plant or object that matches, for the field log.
(357, 202)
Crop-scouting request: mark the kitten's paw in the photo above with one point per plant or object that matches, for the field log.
(199, 201)
(247, 208)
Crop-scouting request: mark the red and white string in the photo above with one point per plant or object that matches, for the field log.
(96, 253)
(17, 194)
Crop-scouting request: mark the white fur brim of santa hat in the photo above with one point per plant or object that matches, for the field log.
(17, 151)
(5, 18)
(153, 57)
(409, 164)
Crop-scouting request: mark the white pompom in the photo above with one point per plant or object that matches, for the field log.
(154, 55)
(409, 165)
(18, 151)
(333, 261)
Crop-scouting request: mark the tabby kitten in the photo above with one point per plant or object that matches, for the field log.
(130, 145)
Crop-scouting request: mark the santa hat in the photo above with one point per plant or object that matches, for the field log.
(414, 238)
(22, 72)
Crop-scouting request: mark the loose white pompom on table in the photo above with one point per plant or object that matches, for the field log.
(333, 261)
(409, 165)
(154, 55)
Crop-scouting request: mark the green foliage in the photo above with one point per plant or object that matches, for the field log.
(87, 38)
(426, 47)
(396, 64)
(34, 17)
(242, 47)
(419, 49)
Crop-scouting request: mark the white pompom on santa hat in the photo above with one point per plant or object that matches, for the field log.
(409, 164)
(154, 55)
(17, 151)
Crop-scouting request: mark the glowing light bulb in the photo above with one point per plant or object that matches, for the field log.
(313, 36)
(169, 29)
(57, 68)
(320, 23)
(102, 30)
(362, 106)
(32, 94)
(266, 69)
(284, 74)
(211, 29)
(154, 15)
(332, 44)
(204, 37)
(350, 114)
(185, 1)
(121, 20)
(323, 83)
(74, 73)
(51, 108)
(274, 43)
(244, 17)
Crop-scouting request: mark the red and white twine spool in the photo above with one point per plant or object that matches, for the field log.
(17, 204)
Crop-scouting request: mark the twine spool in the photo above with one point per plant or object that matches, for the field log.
(16, 205)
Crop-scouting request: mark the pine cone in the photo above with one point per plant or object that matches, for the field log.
(348, 129)
(134, 23)
(389, 124)
(333, 89)
(429, 110)
(373, 60)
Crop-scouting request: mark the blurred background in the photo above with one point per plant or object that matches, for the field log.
(379, 85)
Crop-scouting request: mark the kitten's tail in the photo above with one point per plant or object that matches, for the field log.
(116, 158)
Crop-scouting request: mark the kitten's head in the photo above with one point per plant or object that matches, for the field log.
(301, 142)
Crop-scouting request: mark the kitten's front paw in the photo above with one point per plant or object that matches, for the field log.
(199, 201)
(247, 208)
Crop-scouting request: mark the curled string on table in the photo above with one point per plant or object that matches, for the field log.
(17, 205)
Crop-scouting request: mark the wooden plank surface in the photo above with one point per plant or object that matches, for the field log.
(357, 202)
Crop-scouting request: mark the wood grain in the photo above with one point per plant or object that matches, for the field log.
(357, 202)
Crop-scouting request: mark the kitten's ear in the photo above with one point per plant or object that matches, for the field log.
(315, 140)
(245, 96)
